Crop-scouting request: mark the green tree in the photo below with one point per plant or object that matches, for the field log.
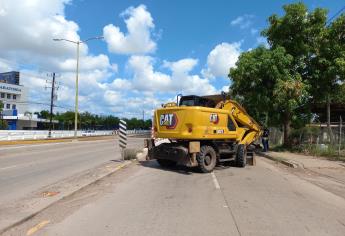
(298, 31)
(91, 121)
(44, 114)
(304, 63)
(317, 49)
(266, 84)
(327, 67)
(66, 119)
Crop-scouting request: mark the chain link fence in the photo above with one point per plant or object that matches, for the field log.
(314, 139)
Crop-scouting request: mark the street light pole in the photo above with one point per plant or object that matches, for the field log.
(77, 78)
(76, 94)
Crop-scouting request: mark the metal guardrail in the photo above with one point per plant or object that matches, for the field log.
(7, 135)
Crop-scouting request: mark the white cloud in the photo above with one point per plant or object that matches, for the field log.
(86, 63)
(27, 29)
(181, 67)
(221, 59)
(120, 84)
(262, 41)
(138, 38)
(225, 89)
(243, 21)
(112, 97)
(101, 90)
(29, 26)
(184, 82)
(149, 81)
(27, 32)
(254, 31)
(114, 67)
(144, 76)
(5, 66)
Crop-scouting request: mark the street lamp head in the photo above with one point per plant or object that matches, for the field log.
(57, 39)
(92, 38)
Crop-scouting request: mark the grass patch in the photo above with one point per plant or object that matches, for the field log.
(328, 151)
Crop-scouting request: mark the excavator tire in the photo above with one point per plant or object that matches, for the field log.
(166, 163)
(207, 159)
(241, 156)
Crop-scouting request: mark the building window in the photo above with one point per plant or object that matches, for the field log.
(8, 106)
(2, 95)
(14, 107)
(14, 96)
(8, 96)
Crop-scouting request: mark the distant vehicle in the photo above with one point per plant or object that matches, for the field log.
(88, 133)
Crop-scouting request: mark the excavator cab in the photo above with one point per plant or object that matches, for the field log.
(193, 100)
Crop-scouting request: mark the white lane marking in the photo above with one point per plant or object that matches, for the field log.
(30, 145)
(215, 181)
(8, 167)
(53, 144)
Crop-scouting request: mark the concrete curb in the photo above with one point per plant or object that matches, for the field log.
(283, 161)
(62, 197)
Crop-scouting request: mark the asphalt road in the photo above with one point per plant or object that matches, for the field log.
(24, 169)
(144, 199)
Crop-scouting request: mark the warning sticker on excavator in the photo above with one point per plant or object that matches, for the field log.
(214, 118)
(169, 120)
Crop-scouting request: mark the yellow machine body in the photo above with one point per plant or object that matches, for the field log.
(228, 120)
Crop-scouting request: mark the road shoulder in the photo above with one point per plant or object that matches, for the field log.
(15, 213)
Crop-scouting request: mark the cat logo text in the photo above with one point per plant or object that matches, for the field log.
(168, 120)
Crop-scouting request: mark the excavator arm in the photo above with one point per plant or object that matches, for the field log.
(252, 130)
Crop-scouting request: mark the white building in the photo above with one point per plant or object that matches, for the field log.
(15, 106)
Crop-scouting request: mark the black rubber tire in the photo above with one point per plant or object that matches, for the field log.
(206, 158)
(241, 156)
(166, 163)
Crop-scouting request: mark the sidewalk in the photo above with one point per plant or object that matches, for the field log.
(322, 166)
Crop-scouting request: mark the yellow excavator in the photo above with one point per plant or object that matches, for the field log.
(202, 131)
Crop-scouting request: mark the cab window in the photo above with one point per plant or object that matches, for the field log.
(231, 125)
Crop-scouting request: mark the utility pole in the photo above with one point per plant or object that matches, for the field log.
(51, 106)
(340, 130)
(143, 115)
(77, 77)
(76, 94)
(52, 99)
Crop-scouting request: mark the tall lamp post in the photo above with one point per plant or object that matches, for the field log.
(77, 78)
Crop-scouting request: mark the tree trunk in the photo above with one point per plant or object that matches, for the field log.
(287, 129)
(330, 133)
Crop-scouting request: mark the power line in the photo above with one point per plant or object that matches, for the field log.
(45, 104)
(335, 15)
(15, 65)
(40, 74)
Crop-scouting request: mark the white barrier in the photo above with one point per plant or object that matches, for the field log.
(43, 134)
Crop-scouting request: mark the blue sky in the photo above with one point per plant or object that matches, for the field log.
(152, 49)
(187, 28)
